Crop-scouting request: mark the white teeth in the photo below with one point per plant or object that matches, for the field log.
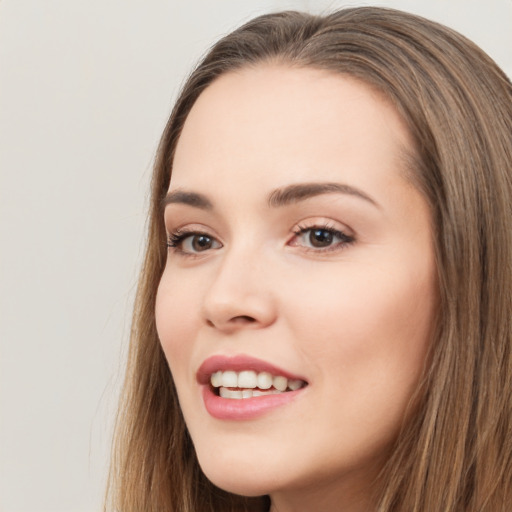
(230, 393)
(216, 379)
(247, 379)
(264, 380)
(294, 384)
(248, 383)
(229, 379)
(280, 383)
(238, 394)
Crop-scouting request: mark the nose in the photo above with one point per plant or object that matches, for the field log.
(241, 295)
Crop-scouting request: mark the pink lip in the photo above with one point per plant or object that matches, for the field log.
(246, 408)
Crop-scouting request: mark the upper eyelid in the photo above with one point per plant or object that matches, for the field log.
(324, 223)
(334, 230)
(310, 222)
(189, 227)
(185, 233)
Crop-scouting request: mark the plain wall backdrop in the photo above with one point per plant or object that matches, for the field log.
(86, 87)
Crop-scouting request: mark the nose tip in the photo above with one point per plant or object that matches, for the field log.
(234, 304)
(236, 315)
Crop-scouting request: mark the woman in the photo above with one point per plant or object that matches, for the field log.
(328, 327)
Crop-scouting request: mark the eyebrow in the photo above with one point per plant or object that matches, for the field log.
(301, 191)
(279, 197)
(189, 198)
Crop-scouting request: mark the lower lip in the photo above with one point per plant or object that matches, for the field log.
(244, 408)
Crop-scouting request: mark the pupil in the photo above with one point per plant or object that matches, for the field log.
(201, 243)
(320, 238)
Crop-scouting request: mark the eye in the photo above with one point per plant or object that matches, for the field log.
(190, 242)
(321, 238)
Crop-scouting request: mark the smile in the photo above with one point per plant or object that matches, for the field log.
(242, 387)
(249, 384)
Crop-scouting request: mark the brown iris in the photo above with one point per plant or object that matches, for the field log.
(320, 238)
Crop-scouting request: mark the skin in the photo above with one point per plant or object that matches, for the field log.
(353, 318)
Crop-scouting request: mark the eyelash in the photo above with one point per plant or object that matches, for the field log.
(345, 239)
(176, 238)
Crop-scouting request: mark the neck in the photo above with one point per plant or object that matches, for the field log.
(327, 498)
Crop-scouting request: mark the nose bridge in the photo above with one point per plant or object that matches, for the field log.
(240, 294)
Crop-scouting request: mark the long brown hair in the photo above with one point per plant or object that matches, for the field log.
(455, 453)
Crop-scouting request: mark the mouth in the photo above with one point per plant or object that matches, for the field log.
(243, 387)
(249, 384)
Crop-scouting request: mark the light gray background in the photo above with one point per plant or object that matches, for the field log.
(85, 89)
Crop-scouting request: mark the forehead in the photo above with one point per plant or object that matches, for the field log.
(283, 123)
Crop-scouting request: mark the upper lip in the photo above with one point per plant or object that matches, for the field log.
(239, 363)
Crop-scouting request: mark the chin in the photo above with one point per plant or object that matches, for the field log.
(238, 473)
(235, 482)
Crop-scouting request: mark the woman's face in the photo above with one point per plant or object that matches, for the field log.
(300, 258)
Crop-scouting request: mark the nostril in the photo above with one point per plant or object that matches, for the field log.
(243, 319)
(236, 320)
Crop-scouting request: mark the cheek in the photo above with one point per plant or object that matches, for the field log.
(370, 326)
(176, 321)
